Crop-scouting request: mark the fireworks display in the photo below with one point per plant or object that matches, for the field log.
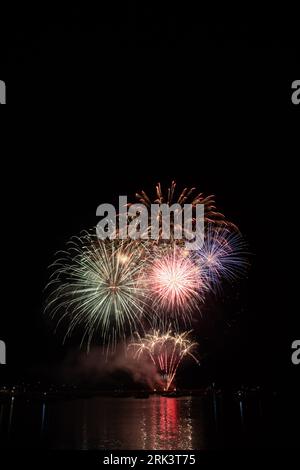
(176, 283)
(94, 286)
(223, 256)
(110, 290)
(166, 351)
(186, 195)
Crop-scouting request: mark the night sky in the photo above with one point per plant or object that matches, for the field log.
(165, 100)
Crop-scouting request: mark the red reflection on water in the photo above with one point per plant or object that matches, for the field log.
(168, 424)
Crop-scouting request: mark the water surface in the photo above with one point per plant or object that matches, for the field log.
(209, 422)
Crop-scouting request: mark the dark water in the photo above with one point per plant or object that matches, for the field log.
(209, 422)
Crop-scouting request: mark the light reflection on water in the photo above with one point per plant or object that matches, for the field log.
(167, 424)
(186, 423)
(128, 423)
(108, 423)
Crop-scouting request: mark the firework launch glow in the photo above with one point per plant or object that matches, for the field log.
(166, 351)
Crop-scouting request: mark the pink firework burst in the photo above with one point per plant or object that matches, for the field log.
(175, 281)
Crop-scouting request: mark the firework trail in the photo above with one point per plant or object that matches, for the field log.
(186, 196)
(94, 286)
(110, 289)
(166, 351)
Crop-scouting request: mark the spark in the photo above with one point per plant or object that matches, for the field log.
(94, 286)
(186, 196)
(223, 256)
(166, 351)
(175, 282)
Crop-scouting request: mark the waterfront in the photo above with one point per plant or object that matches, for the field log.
(213, 421)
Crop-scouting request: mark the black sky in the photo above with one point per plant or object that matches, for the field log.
(147, 101)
